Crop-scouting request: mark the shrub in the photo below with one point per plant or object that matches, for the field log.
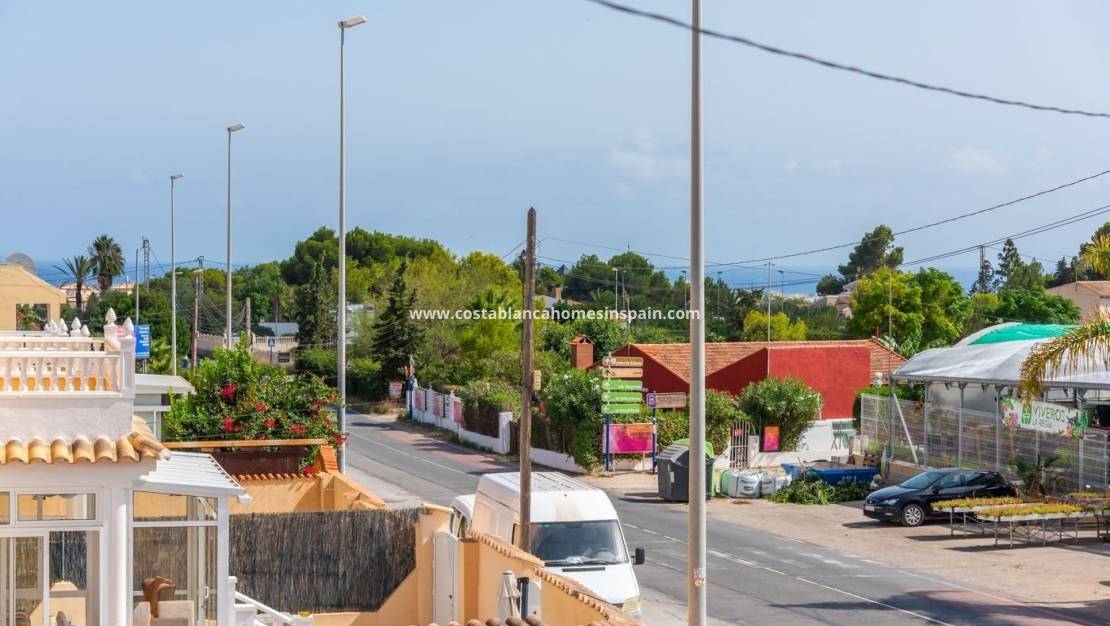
(962, 503)
(786, 402)
(319, 361)
(238, 398)
(483, 401)
(721, 414)
(817, 492)
(365, 380)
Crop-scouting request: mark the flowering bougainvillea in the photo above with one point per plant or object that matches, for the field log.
(239, 398)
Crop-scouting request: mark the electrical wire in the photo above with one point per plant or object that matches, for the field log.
(801, 56)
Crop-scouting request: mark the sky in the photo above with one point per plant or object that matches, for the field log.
(461, 115)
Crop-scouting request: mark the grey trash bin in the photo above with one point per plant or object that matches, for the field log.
(673, 471)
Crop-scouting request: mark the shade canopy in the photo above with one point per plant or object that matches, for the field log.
(994, 356)
(190, 473)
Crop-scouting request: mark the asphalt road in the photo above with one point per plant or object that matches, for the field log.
(754, 577)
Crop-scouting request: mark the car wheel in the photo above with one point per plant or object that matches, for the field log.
(912, 515)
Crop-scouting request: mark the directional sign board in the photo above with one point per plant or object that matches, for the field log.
(616, 384)
(623, 372)
(675, 400)
(620, 409)
(622, 361)
(621, 396)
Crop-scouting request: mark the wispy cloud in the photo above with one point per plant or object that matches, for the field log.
(642, 159)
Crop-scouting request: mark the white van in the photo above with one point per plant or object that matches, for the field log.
(575, 530)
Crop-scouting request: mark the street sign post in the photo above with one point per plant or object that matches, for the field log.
(621, 409)
(622, 361)
(623, 372)
(621, 396)
(622, 393)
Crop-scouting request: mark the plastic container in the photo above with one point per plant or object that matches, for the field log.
(771, 484)
(741, 483)
(832, 473)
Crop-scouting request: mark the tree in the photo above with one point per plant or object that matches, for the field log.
(589, 274)
(320, 249)
(830, 285)
(983, 311)
(1009, 260)
(396, 334)
(985, 282)
(1096, 255)
(886, 298)
(316, 309)
(875, 250)
(788, 403)
(1028, 276)
(80, 269)
(782, 329)
(107, 259)
(488, 345)
(1035, 307)
(1064, 273)
(1085, 271)
(1083, 348)
(269, 294)
(944, 307)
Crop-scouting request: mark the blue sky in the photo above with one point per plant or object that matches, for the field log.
(463, 114)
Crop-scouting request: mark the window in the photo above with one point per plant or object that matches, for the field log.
(5, 507)
(165, 507)
(74, 577)
(40, 507)
(579, 543)
(954, 479)
(175, 572)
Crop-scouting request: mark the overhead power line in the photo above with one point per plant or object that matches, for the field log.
(801, 56)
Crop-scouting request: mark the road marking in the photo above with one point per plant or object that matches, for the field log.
(408, 454)
(866, 599)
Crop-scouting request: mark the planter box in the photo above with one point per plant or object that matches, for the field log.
(1037, 518)
(253, 461)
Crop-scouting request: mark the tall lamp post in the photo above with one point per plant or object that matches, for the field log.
(696, 538)
(341, 309)
(227, 279)
(173, 278)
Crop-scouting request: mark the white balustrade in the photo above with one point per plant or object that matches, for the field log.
(250, 612)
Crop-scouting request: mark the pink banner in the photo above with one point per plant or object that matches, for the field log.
(630, 439)
(457, 411)
(418, 399)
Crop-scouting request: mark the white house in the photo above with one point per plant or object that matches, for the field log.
(100, 525)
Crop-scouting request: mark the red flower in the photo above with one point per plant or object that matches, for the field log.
(309, 470)
(270, 423)
(339, 440)
(260, 406)
(229, 424)
(298, 429)
(228, 392)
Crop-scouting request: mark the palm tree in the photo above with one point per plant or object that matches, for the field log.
(80, 268)
(107, 258)
(1085, 346)
(1096, 255)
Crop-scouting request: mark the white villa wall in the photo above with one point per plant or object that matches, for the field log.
(49, 416)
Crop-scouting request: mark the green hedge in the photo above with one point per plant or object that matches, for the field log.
(364, 378)
(786, 402)
(483, 401)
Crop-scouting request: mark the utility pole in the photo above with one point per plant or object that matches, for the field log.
(136, 284)
(526, 384)
(616, 281)
(718, 294)
(695, 526)
(250, 339)
(198, 279)
(768, 319)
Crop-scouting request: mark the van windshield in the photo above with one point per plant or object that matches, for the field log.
(579, 543)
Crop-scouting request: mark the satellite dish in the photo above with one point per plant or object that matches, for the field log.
(18, 258)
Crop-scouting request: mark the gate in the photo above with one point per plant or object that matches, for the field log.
(738, 447)
(445, 591)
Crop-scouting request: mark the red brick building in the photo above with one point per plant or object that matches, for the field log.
(836, 369)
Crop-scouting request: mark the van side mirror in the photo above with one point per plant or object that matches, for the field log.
(638, 556)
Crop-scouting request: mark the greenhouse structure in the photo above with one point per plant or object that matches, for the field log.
(966, 410)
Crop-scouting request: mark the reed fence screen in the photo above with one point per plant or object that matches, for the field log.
(323, 561)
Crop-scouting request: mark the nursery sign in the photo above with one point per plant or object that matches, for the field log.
(1044, 417)
(631, 438)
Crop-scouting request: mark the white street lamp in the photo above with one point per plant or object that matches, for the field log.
(173, 278)
(227, 279)
(341, 309)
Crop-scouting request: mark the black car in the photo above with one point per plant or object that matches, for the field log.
(911, 503)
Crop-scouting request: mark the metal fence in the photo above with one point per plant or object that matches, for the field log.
(945, 436)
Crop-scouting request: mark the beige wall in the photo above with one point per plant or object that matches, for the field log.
(18, 286)
(1087, 299)
(289, 493)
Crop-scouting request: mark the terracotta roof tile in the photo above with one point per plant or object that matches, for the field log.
(137, 446)
(718, 355)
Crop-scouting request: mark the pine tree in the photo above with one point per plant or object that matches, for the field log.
(396, 334)
(1064, 274)
(1009, 262)
(316, 305)
(986, 282)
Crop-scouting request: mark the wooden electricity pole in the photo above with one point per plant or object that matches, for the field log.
(250, 337)
(526, 384)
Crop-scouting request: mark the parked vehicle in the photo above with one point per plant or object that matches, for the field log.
(910, 503)
(575, 530)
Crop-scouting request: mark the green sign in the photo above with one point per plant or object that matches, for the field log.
(1044, 417)
(622, 396)
(616, 384)
(620, 409)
